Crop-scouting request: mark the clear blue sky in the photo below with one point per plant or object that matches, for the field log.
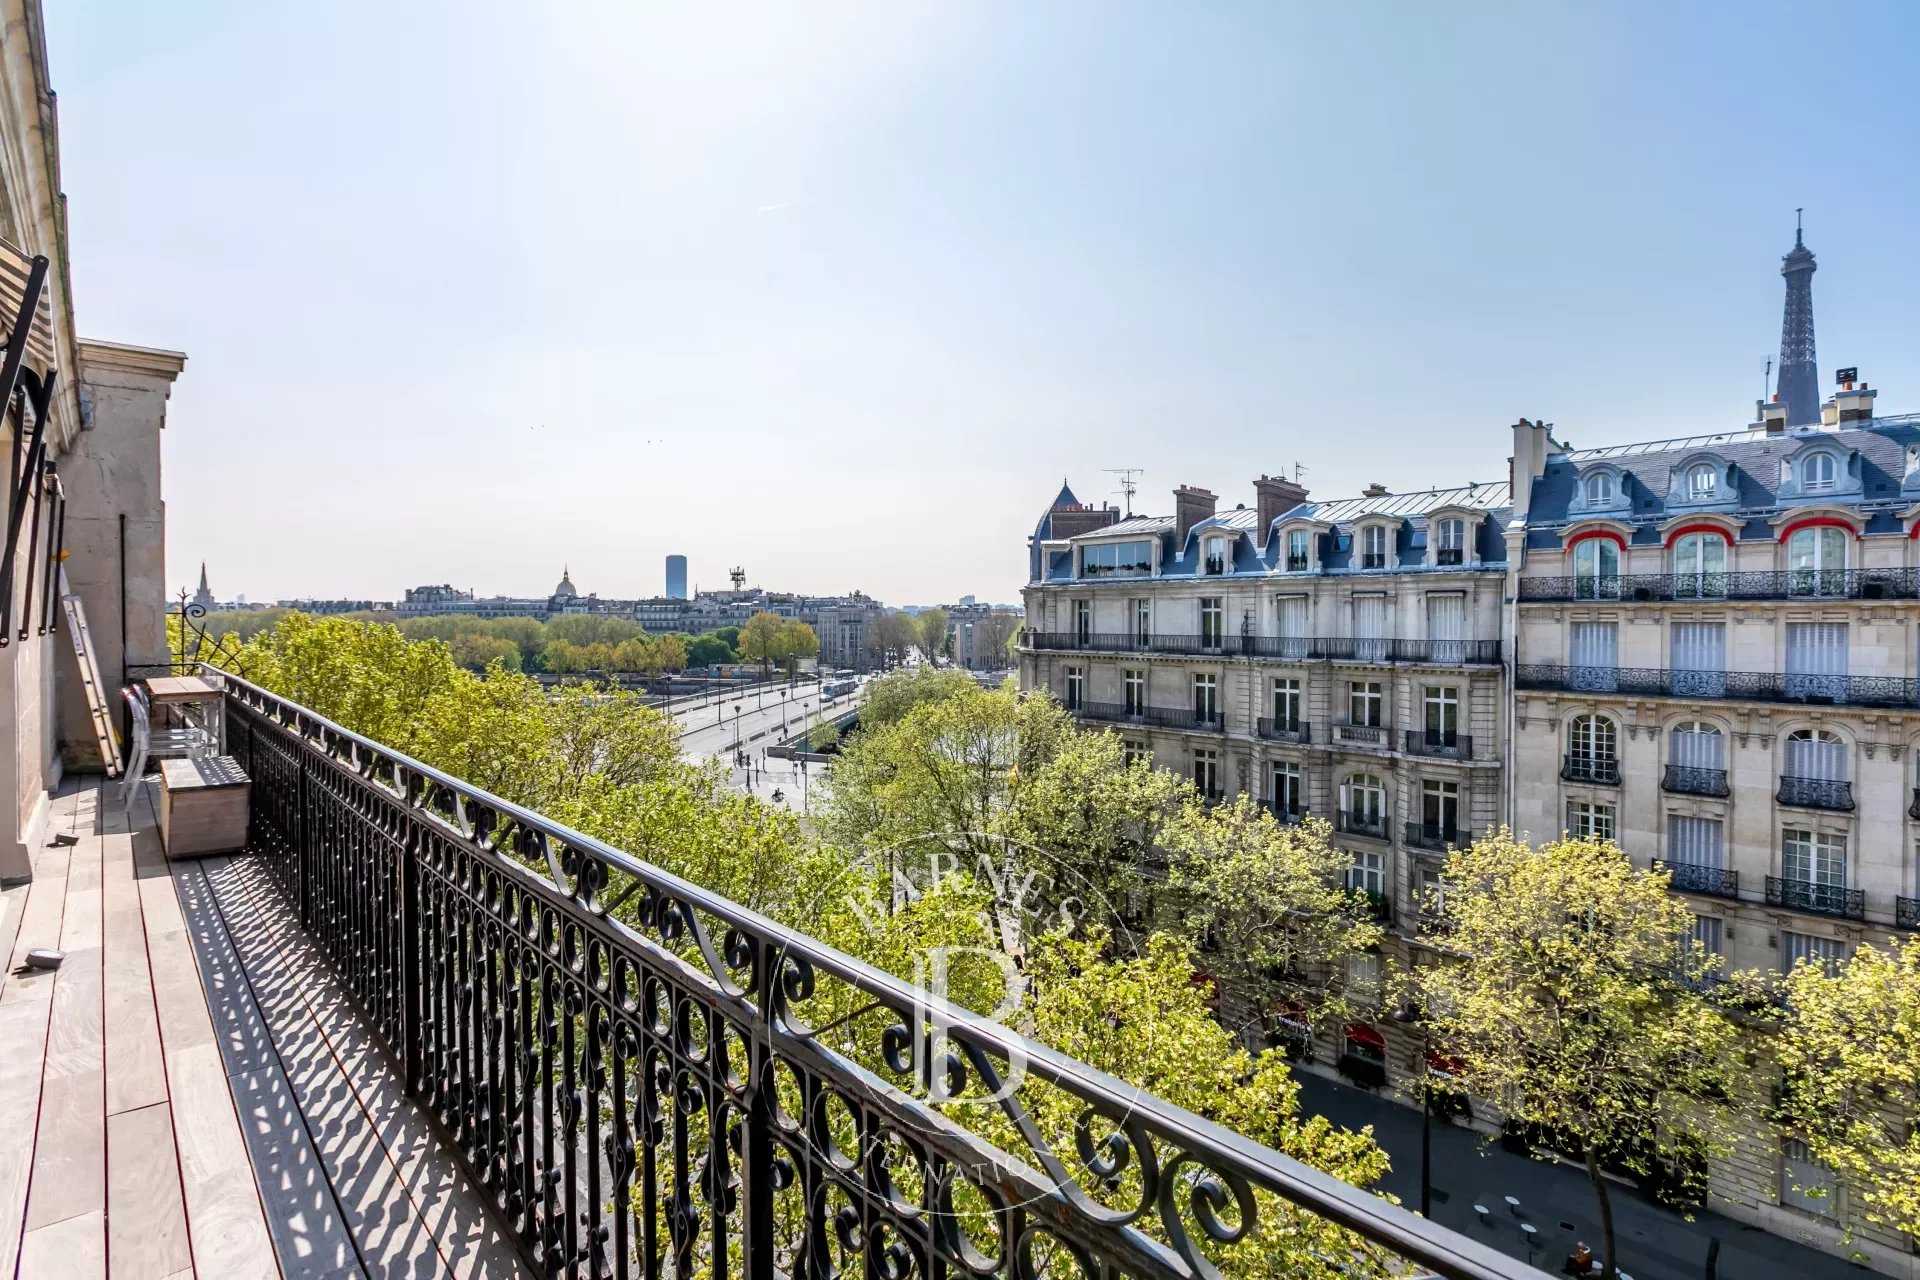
(472, 290)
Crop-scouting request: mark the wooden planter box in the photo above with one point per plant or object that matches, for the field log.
(203, 806)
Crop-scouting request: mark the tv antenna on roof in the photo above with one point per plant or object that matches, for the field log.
(1299, 469)
(739, 577)
(1766, 382)
(1128, 486)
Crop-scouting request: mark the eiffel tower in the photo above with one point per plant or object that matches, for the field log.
(1799, 374)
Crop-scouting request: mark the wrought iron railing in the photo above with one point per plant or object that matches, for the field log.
(1755, 686)
(1437, 836)
(1693, 780)
(1814, 793)
(624, 1062)
(1283, 648)
(1780, 584)
(1819, 899)
(1155, 717)
(1601, 771)
(1360, 822)
(1284, 813)
(1906, 913)
(1692, 878)
(1286, 730)
(1442, 746)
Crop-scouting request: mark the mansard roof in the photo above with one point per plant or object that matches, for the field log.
(1756, 457)
(1490, 496)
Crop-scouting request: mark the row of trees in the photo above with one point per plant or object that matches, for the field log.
(1133, 914)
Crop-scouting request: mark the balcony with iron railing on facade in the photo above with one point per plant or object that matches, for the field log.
(1750, 686)
(1696, 588)
(1372, 824)
(598, 1075)
(1598, 771)
(1278, 648)
(1906, 913)
(1817, 899)
(1296, 731)
(1436, 837)
(1688, 877)
(1815, 793)
(1362, 735)
(1151, 717)
(1284, 813)
(1439, 745)
(1694, 780)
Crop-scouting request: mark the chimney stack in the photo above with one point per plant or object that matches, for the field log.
(1276, 494)
(1852, 403)
(1772, 415)
(1374, 490)
(1190, 506)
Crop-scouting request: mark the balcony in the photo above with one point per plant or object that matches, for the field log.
(1361, 822)
(1687, 877)
(1791, 584)
(406, 1024)
(1361, 735)
(1598, 771)
(1440, 746)
(1281, 648)
(1691, 780)
(1379, 904)
(1285, 814)
(1151, 717)
(1817, 899)
(1906, 913)
(1437, 836)
(1815, 793)
(1749, 686)
(1298, 731)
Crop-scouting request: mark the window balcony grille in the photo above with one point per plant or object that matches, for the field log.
(1299, 731)
(1286, 814)
(1688, 877)
(1691, 780)
(1790, 584)
(1437, 836)
(1282, 648)
(1441, 746)
(1215, 566)
(1817, 899)
(1379, 904)
(543, 994)
(1297, 564)
(1599, 771)
(1815, 793)
(1906, 913)
(1748, 686)
(1361, 822)
(1364, 735)
(1449, 556)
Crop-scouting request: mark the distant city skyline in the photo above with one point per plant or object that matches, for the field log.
(841, 293)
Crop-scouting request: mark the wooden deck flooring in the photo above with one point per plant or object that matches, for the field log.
(190, 1094)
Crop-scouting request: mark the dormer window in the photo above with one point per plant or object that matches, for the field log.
(1599, 489)
(1817, 473)
(1373, 547)
(1215, 555)
(1299, 553)
(1450, 541)
(1703, 482)
(1117, 559)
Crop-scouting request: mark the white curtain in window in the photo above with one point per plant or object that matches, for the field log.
(1699, 659)
(1695, 842)
(1293, 626)
(1447, 626)
(1827, 953)
(1699, 749)
(1707, 934)
(1816, 659)
(1370, 627)
(1824, 758)
(1594, 655)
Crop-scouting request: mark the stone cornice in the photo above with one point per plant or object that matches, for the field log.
(98, 356)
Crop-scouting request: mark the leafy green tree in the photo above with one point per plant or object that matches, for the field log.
(709, 650)
(611, 733)
(891, 696)
(1850, 1059)
(670, 652)
(1575, 1003)
(477, 651)
(894, 635)
(932, 625)
(366, 676)
(563, 657)
(1270, 900)
(764, 640)
(823, 736)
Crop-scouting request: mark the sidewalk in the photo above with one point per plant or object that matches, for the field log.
(1655, 1243)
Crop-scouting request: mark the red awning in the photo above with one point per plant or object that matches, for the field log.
(1361, 1033)
(1442, 1065)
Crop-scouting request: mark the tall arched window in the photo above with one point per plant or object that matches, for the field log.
(1817, 473)
(1592, 754)
(1596, 569)
(1817, 561)
(1700, 566)
(1599, 489)
(1696, 759)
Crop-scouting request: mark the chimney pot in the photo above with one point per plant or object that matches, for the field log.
(1374, 490)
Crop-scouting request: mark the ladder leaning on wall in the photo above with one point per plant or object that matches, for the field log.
(106, 734)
